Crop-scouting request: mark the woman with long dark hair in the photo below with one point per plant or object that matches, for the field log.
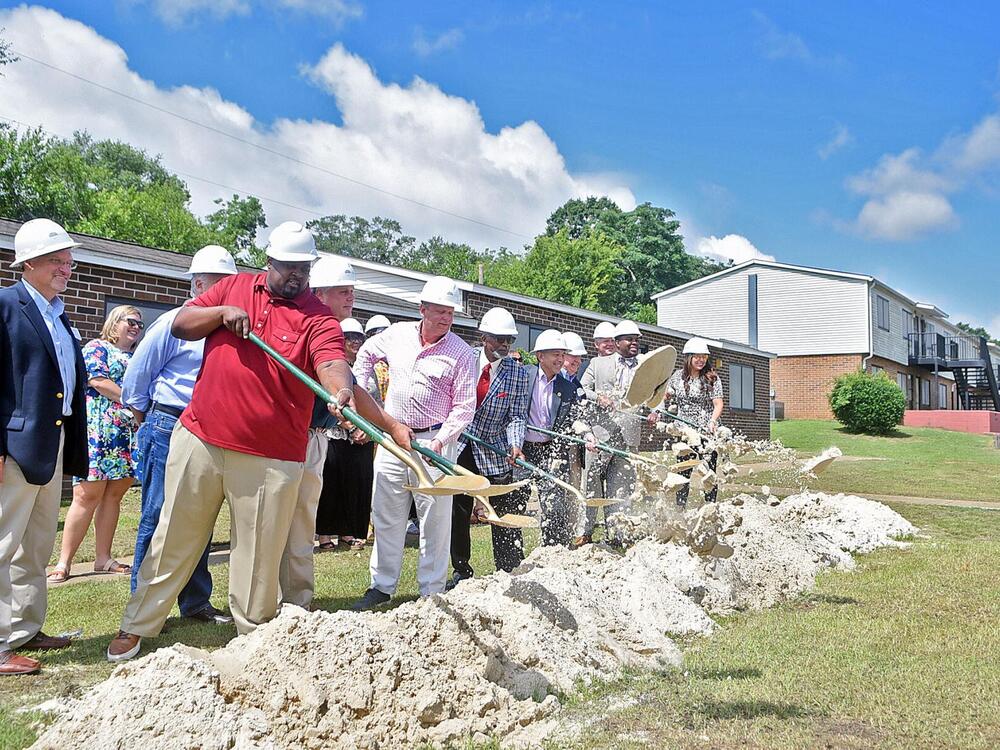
(697, 391)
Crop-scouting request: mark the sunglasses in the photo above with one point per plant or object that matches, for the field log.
(133, 323)
(502, 339)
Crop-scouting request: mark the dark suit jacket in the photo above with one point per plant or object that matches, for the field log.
(564, 397)
(31, 393)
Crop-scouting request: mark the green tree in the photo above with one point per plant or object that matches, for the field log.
(976, 331)
(575, 272)
(6, 56)
(235, 226)
(653, 256)
(379, 240)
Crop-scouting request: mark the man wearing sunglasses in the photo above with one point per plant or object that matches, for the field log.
(43, 432)
(501, 411)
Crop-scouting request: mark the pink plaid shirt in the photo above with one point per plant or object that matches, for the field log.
(427, 384)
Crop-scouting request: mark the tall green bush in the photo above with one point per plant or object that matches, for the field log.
(871, 404)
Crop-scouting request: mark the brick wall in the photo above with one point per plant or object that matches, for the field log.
(90, 285)
(803, 383)
(755, 424)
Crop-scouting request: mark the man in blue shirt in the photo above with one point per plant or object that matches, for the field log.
(157, 387)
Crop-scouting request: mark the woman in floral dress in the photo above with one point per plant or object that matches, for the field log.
(110, 432)
(697, 391)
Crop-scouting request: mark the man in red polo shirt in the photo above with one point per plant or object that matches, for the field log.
(243, 437)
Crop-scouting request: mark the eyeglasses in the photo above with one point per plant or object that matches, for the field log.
(502, 339)
(133, 323)
(60, 263)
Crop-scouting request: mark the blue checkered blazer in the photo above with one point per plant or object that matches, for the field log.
(501, 418)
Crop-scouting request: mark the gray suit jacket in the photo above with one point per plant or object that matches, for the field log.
(600, 378)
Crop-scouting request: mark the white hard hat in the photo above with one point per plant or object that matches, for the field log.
(696, 346)
(213, 259)
(440, 290)
(291, 242)
(350, 325)
(39, 237)
(375, 322)
(499, 322)
(574, 343)
(332, 271)
(549, 339)
(604, 330)
(627, 328)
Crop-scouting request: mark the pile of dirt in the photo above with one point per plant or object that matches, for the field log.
(486, 659)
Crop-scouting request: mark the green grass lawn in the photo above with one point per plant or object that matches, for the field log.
(918, 461)
(902, 653)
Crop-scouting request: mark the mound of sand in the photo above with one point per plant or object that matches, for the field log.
(486, 659)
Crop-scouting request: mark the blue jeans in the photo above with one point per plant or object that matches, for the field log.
(153, 443)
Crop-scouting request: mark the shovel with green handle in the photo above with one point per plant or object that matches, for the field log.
(446, 485)
(596, 502)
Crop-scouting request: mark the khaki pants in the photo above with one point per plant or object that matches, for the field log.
(29, 516)
(296, 577)
(261, 493)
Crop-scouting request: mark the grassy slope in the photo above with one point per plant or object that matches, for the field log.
(916, 461)
(902, 653)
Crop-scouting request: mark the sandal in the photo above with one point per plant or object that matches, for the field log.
(59, 574)
(357, 544)
(113, 566)
(327, 546)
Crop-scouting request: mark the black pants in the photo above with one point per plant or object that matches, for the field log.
(508, 544)
(345, 503)
(556, 518)
(682, 491)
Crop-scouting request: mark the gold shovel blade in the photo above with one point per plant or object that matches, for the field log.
(494, 490)
(689, 464)
(515, 521)
(454, 485)
(601, 502)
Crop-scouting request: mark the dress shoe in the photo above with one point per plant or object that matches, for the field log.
(42, 642)
(371, 599)
(211, 614)
(455, 580)
(11, 663)
(123, 647)
(580, 541)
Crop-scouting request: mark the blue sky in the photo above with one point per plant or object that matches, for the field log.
(862, 137)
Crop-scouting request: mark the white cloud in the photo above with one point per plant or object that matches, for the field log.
(841, 137)
(414, 139)
(776, 44)
(734, 247)
(905, 215)
(178, 12)
(446, 40)
(908, 195)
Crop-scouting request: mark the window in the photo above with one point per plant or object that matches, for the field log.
(876, 369)
(925, 392)
(909, 390)
(150, 310)
(901, 381)
(741, 387)
(883, 312)
(942, 396)
(909, 323)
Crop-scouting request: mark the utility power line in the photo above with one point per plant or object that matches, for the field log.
(267, 149)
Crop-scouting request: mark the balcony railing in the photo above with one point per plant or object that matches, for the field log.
(941, 347)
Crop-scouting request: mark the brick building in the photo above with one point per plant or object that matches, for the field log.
(111, 273)
(824, 323)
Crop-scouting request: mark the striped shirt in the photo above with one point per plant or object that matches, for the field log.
(429, 385)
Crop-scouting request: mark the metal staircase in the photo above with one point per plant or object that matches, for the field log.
(967, 358)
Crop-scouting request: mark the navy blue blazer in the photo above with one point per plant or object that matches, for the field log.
(564, 396)
(31, 396)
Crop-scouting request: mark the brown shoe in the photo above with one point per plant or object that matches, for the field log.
(123, 647)
(580, 541)
(11, 663)
(42, 642)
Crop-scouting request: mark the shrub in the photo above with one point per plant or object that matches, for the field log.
(872, 404)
